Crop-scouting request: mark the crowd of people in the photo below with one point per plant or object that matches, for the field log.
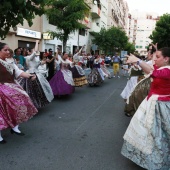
(30, 79)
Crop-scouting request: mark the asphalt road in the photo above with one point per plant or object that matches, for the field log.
(83, 131)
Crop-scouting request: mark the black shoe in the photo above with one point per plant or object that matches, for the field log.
(20, 134)
(3, 142)
(128, 115)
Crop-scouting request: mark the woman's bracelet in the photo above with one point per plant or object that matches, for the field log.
(138, 62)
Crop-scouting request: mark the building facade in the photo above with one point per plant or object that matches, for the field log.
(25, 36)
(98, 20)
(141, 26)
(117, 14)
(103, 14)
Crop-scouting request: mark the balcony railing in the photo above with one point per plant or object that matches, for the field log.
(95, 12)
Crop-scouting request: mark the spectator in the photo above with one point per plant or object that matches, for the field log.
(50, 64)
(19, 57)
(116, 64)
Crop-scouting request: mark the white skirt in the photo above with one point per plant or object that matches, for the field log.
(131, 84)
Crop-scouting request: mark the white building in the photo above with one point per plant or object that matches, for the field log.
(93, 23)
(98, 20)
(76, 39)
(141, 25)
(117, 14)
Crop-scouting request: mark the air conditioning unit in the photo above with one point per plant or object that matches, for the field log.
(97, 23)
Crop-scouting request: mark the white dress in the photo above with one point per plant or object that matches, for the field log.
(130, 86)
(39, 89)
(33, 63)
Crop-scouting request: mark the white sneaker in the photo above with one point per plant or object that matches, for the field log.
(118, 76)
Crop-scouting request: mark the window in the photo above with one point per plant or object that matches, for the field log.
(82, 31)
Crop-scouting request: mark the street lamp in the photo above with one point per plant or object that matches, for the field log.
(95, 2)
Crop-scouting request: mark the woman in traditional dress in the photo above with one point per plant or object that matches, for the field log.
(147, 139)
(96, 77)
(62, 82)
(39, 90)
(104, 68)
(135, 71)
(142, 88)
(43, 67)
(77, 70)
(15, 104)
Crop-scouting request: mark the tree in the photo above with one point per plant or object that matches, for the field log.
(13, 12)
(101, 40)
(113, 39)
(66, 16)
(161, 34)
(130, 47)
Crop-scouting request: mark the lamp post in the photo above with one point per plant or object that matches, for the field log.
(78, 40)
(95, 2)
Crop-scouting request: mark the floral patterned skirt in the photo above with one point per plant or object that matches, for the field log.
(137, 96)
(94, 78)
(79, 80)
(147, 139)
(35, 91)
(15, 106)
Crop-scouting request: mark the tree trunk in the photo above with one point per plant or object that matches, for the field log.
(64, 45)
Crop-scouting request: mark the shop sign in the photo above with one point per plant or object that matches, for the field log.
(47, 36)
(123, 54)
(28, 33)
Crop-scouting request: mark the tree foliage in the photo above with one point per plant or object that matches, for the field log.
(13, 12)
(66, 15)
(113, 39)
(130, 47)
(161, 34)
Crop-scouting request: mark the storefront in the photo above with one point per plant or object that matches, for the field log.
(22, 37)
(28, 37)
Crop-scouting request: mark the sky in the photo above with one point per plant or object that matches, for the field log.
(157, 6)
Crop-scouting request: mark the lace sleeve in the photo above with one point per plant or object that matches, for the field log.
(17, 70)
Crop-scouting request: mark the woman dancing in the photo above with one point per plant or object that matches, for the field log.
(15, 104)
(147, 139)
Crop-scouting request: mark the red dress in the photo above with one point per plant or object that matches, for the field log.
(161, 84)
(15, 105)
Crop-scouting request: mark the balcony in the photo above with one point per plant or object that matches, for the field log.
(95, 12)
(95, 27)
(86, 23)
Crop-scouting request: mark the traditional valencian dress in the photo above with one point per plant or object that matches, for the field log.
(132, 82)
(104, 69)
(62, 82)
(139, 93)
(147, 139)
(96, 77)
(15, 104)
(39, 89)
(78, 73)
